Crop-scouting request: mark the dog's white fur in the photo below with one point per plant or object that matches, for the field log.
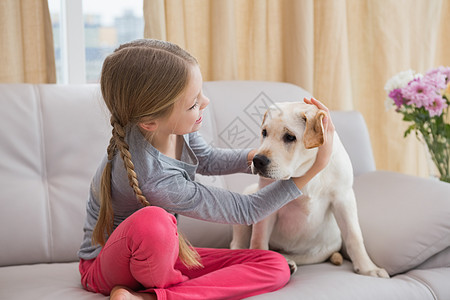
(310, 228)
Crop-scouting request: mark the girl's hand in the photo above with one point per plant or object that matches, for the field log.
(250, 156)
(324, 153)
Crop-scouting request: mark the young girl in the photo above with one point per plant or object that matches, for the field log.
(131, 248)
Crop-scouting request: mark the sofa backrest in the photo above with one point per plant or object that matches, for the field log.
(52, 138)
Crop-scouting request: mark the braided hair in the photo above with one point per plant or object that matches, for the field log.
(140, 80)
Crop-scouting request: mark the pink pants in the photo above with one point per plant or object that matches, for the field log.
(142, 254)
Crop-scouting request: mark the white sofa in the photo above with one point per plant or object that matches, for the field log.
(53, 136)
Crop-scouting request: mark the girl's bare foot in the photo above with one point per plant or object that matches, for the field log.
(124, 293)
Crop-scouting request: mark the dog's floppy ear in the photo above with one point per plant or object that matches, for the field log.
(313, 135)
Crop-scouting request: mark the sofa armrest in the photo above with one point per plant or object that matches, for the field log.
(405, 219)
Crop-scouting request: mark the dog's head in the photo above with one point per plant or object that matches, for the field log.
(291, 133)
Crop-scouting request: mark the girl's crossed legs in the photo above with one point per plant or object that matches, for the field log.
(142, 255)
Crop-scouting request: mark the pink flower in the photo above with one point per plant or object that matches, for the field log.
(436, 80)
(419, 93)
(442, 70)
(416, 90)
(437, 106)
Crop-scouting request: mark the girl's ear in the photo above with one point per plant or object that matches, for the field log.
(149, 126)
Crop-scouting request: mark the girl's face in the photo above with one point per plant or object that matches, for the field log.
(186, 116)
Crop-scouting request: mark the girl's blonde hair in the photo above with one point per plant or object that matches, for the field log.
(140, 80)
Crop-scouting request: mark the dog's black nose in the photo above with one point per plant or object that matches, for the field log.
(260, 162)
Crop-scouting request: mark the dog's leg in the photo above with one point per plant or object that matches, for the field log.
(241, 237)
(261, 237)
(243, 233)
(346, 216)
(261, 232)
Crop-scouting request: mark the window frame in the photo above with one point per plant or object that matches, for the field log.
(73, 57)
(76, 63)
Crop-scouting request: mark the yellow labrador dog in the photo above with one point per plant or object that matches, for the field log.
(309, 229)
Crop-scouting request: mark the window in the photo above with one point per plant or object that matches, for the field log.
(86, 31)
(55, 12)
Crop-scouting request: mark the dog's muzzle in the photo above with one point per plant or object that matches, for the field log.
(260, 163)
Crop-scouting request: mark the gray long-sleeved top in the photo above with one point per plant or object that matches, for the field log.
(169, 183)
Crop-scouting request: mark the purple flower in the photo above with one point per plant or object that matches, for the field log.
(396, 95)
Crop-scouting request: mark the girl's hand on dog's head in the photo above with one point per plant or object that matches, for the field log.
(328, 125)
(324, 153)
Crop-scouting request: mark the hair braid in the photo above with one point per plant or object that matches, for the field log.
(119, 136)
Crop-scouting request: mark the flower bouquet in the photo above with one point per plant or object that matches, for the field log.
(423, 100)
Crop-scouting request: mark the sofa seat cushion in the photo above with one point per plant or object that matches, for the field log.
(437, 281)
(405, 220)
(44, 281)
(62, 281)
(316, 282)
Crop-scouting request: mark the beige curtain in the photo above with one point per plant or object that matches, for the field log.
(26, 48)
(342, 51)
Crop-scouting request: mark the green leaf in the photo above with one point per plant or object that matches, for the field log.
(408, 118)
(409, 129)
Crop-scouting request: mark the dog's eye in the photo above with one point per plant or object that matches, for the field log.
(264, 133)
(289, 138)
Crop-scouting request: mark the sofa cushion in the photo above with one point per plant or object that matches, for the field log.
(437, 281)
(319, 281)
(405, 220)
(326, 281)
(44, 281)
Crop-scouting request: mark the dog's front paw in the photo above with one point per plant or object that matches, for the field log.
(292, 266)
(376, 272)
